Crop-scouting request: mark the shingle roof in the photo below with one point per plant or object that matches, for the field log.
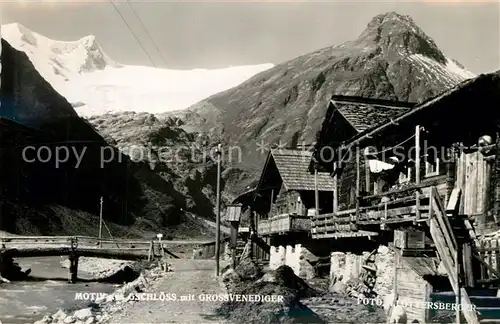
(363, 115)
(293, 166)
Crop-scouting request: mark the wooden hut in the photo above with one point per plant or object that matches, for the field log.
(285, 198)
(439, 171)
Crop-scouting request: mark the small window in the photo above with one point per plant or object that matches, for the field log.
(432, 168)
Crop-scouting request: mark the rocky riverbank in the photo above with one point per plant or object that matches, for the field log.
(98, 268)
(108, 270)
(100, 308)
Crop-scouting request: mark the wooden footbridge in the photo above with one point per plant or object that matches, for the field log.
(84, 246)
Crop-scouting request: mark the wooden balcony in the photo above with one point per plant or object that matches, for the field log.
(407, 205)
(284, 223)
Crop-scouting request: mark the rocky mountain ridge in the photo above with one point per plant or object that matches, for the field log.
(391, 59)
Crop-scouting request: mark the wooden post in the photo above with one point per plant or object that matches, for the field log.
(367, 174)
(217, 223)
(497, 259)
(271, 211)
(496, 183)
(150, 251)
(467, 262)
(487, 186)
(100, 224)
(73, 269)
(358, 185)
(428, 299)
(234, 241)
(73, 262)
(395, 279)
(450, 174)
(316, 194)
(335, 190)
(417, 171)
(458, 297)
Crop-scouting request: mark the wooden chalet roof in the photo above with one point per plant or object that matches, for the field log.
(363, 113)
(293, 167)
(465, 106)
(358, 114)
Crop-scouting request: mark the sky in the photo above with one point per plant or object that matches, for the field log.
(208, 34)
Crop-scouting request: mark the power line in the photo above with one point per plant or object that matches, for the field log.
(147, 32)
(135, 36)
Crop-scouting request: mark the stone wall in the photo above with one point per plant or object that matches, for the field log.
(277, 257)
(346, 266)
(297, 257)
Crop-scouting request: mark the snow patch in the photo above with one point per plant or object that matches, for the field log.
(95, 84)
(453, 67)
(449, 73)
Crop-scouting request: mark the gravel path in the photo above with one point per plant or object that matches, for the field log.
(189, 277)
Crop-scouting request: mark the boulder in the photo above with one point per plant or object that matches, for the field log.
(83, 313)
(59, 315)
(45, 320)
(230, 278)
(69, 320)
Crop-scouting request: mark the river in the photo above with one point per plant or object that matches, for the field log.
(28, 301)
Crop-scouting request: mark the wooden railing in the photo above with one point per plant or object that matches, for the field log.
(89, 241)
(84, 246)
(284, 223)
(446, 245)
(33, 246)
(409, 204)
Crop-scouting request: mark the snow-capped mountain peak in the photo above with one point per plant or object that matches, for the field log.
(82, 72)
(63, 59)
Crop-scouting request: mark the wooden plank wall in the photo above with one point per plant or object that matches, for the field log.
(473, 178)
(412, 289)
(489, 251)
(259, 253)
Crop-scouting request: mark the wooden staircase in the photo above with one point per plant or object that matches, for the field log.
(447, 247)
(260, 243)
(487, 304)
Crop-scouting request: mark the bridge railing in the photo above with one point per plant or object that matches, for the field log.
(89, 241)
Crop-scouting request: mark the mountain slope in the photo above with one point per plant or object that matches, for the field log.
(181, 158)
(95, 84)
(391, 59)
(45, 197)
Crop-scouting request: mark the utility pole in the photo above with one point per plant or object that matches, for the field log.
(217, 231)
(100, 225)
